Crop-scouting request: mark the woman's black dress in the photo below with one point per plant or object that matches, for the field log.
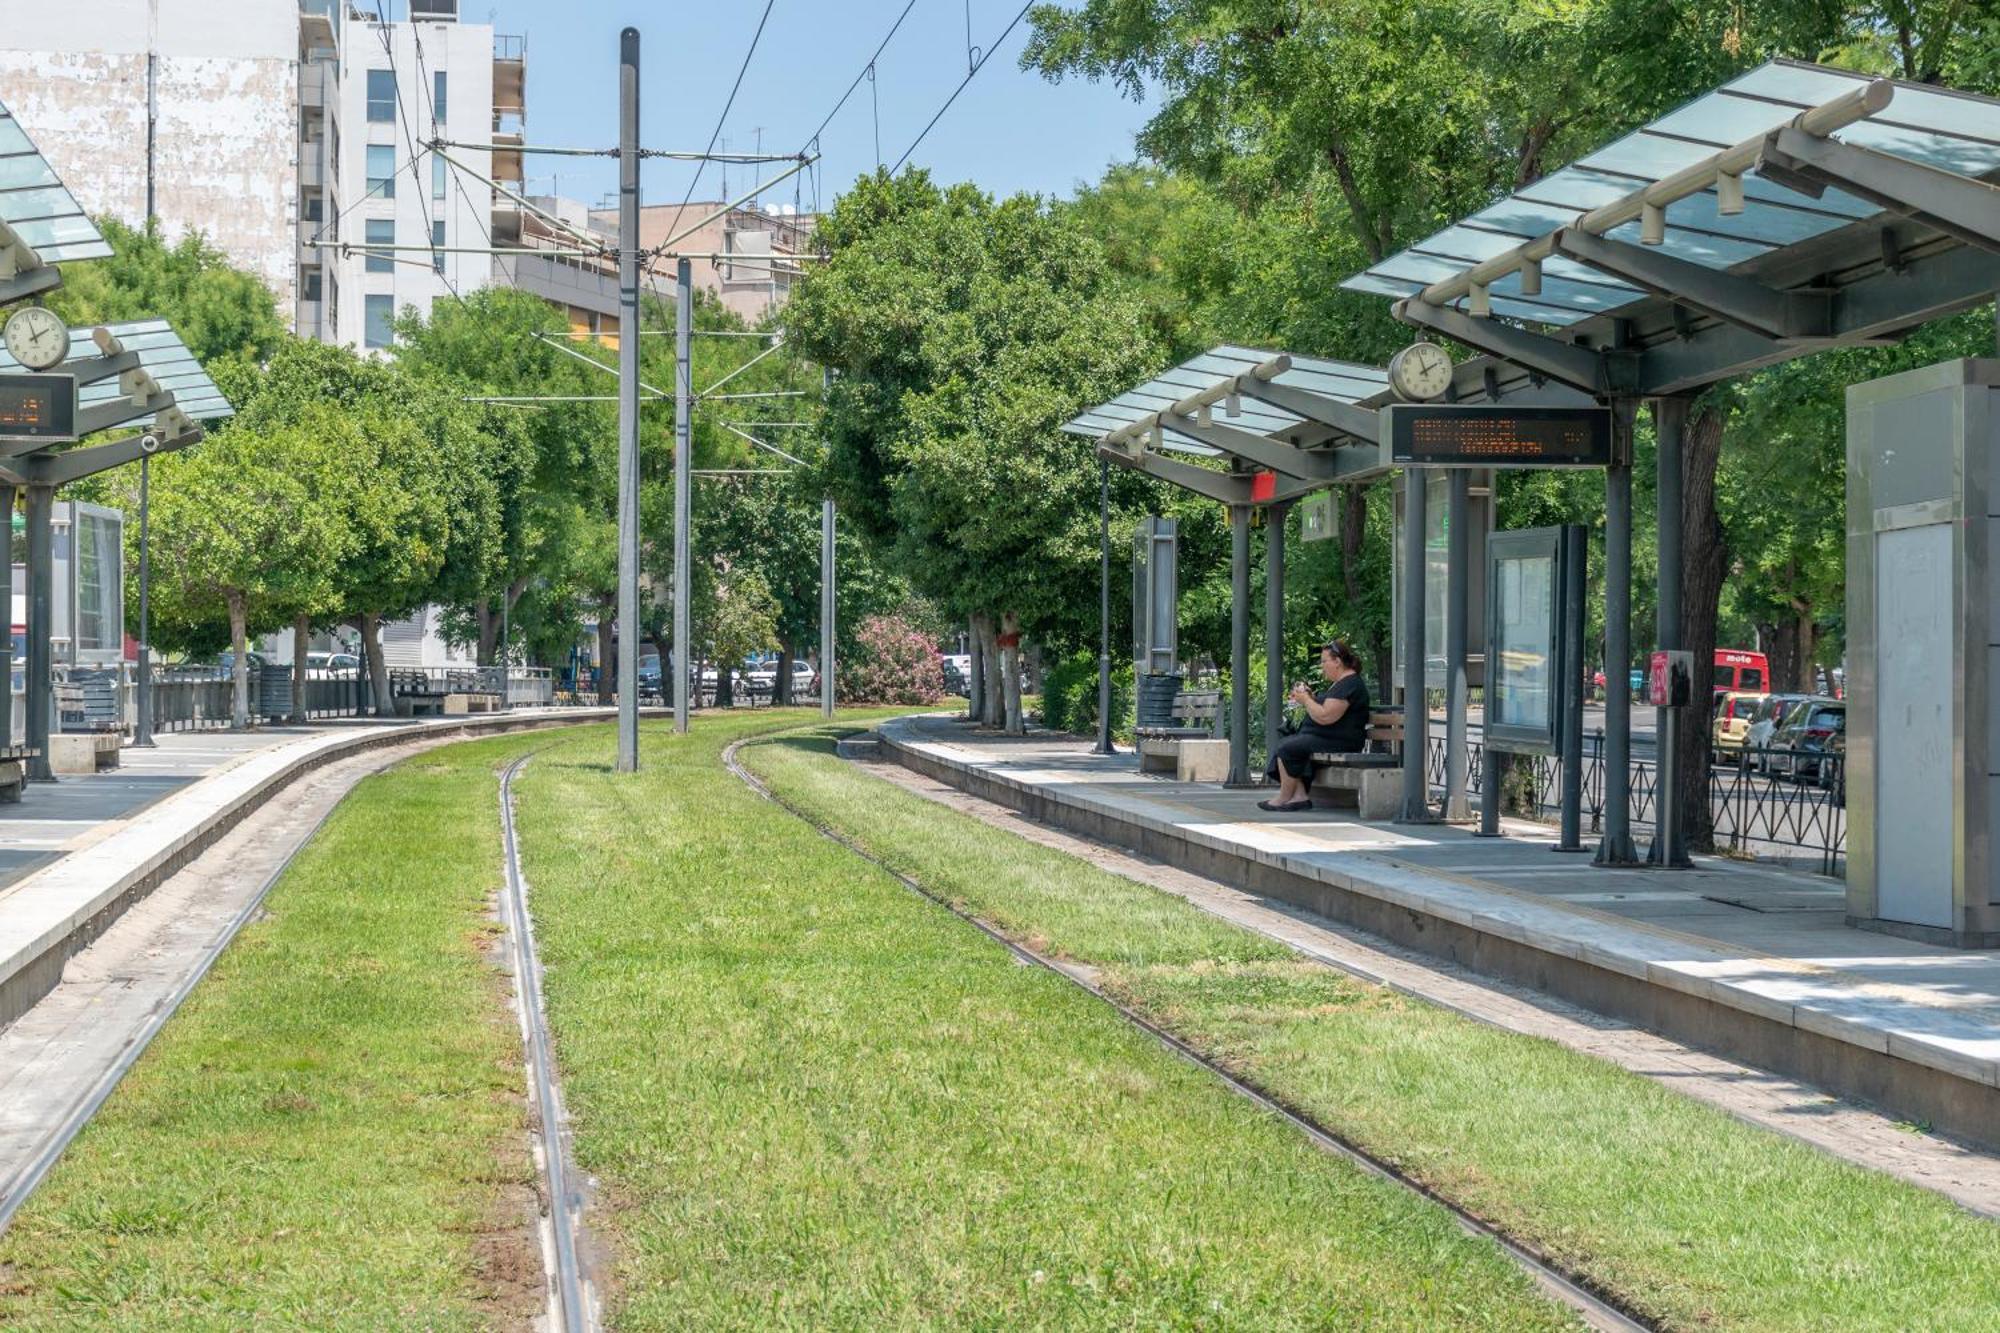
(1348, 734)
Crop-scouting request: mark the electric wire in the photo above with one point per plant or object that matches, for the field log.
(866, 66)
(722, 119)
(984, 56)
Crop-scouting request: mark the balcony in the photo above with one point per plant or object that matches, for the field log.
(315, 84)
(312, 164)
(507, 159)
(510, 77)
(309, 321)
(319, 24)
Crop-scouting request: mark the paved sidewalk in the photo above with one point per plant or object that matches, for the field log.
(1757, 941)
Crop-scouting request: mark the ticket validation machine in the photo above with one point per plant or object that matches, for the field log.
(1923, 653)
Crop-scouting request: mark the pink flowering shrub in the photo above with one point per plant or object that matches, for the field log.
(893, 662)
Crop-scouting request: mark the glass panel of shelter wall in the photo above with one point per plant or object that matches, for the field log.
(1437, 570)
(1523, 656)
(100, 608)
(1155, 596)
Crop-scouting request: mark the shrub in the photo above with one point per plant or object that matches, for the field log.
(1069, 697)
(893, 662)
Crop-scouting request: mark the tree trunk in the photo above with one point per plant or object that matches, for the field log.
(975, 683)
(1805, 632)
(1704, 561)
(607, 669)
(1010, 673)
(781, 688)
(378, 665)
(486, 633)
(239, 667)
(996, 687)
(1782, 647)
(301, 637)
(725, 686)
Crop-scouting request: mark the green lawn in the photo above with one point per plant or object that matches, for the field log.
(817, 1101)
(331, 1132)
(1692, 1215)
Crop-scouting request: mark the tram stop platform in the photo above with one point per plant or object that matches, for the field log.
(1748, 961)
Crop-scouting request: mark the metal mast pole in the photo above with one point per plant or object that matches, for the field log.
(826, 607)
(683, 447)
(41, 646)
(1457, 599)
(7, 494)
(1239, 646)
(1614, 847)
(1669, 832)
(1104, 745)
(628, 401)
(1416, 714)
(142, 725)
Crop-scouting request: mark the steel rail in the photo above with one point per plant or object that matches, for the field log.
(572, 1298)
(1598, 1309)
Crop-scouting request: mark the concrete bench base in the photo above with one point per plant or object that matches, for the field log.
(1373, 792)
(13, 777)
(470, 702)
(83, 752)
(1189, 758)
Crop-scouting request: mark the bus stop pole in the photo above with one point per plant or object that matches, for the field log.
(1457, 611)
(1274, 623)
(1615, 847)
(1104, 745)
(1239, 646)
(1416, 782)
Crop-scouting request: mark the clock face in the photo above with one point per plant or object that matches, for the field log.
(1421, 372)
(37, 338)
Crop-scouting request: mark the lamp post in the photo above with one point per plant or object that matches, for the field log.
(1104, 745)
(142, 726)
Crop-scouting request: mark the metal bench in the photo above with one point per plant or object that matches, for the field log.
(1369, 782)
(1191, 752)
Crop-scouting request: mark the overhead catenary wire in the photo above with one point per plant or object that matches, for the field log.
(984, 56)
(727, 104)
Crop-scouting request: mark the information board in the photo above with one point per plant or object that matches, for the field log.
(1524, 671)
(37, 407)
(1488, 435)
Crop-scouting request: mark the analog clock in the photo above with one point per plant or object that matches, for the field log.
(37, 337)
(1420, 372)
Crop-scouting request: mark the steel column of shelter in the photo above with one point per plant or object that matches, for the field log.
(1416, 716)
(1104, 745)
(7, 498)
(1239, 646)
(1274, 623)
(41, 629)
(142, 682)
(1575, 567)
(1615, 847)
(1456, 615)
(683, 447)
(628, 406)
(827, 606)
(1670, 834)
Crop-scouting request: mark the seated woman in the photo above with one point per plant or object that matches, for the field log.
(1336, 723)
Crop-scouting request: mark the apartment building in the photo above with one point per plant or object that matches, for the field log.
(291, 133)
(753, 276)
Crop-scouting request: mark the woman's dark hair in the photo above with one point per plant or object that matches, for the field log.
(1342, 653)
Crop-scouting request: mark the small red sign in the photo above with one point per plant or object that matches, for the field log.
(1656, 681)
(1263, 486)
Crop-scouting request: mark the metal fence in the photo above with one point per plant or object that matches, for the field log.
(1775, 803)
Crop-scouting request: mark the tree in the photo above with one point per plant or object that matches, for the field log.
(963, 333)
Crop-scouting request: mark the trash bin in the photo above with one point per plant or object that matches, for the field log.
(1156, 699)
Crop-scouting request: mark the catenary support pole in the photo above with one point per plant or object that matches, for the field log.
(628, 404)
(1239, 645)
(142, 680)
(41, 628)
(1670, 833)
(1574, 564)
(1274, 623)
(1104, 745)
(7, 494)
(827, 606)
(1457, 604)
(1416, 715)
(683, 477)
(1615, 847)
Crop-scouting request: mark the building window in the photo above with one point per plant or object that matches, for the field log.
(382, 95)
(437, 178)
(437, 239)
(437, 98)
(380, 313)
(312, 286)
(381, 231)
(382, 170)
(315, 207)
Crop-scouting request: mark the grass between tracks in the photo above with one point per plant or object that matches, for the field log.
(1694, 1216)
(815, 1100)
(331, 1132)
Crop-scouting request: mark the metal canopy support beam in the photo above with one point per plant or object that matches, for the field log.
(118, 412)
(1416, 717)
(41, 629)
(1955, 205)
(1456, 624)
(1615, 847)
(1261, 450)
(1239, 645)
(92, 369)
(1746, 304)
(32, 282)
(75, 464)
(1226, 487)
(1274, 623)
(1592, 371)
(1670, 835)
(1359, 422)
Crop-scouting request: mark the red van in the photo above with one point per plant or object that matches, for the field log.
(1740, 671)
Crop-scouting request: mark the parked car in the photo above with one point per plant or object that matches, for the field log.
(955, 677)
(1812, 730)
(1769, 715)
(324, 665)
(1733, 712)
(226, 662)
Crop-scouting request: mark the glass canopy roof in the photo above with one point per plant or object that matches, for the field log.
(1954, 131)
(1338, 380)
(163, 356)
(36, 206)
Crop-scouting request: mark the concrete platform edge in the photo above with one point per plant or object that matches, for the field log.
(54, 913)
(1611, 976)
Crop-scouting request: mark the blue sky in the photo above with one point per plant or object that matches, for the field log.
(1009, 130)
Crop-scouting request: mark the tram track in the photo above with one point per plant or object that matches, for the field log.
(570, 1307)
(1598, 1309)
